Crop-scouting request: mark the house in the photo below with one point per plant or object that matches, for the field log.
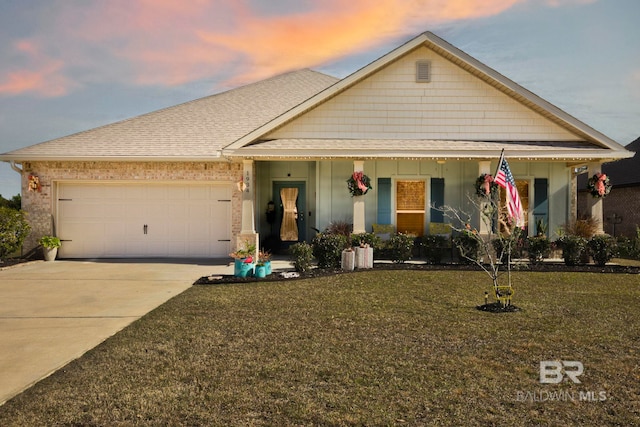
(272, 159)
(621, 208)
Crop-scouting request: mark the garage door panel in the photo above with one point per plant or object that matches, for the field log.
(183, 220)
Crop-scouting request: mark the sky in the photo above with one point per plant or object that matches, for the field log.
(72, 65)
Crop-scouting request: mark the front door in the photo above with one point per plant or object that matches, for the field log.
(290, 199)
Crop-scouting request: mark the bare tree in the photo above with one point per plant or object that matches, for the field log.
(492, 249)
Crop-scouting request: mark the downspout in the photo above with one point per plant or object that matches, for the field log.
(15, 167)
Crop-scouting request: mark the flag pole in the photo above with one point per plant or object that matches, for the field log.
(499, 163)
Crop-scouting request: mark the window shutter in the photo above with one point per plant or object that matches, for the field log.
(541, 201)
(437, 199)
(384, 201)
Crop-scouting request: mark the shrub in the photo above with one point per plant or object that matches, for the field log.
(339, 227)
(301, 256)
(468, 247)
(327, 248)
(538, 248)
(627, 247)
(434, 247)
(14, 228)
(400, 247)
(587, 228)
(603, 247)
(573, 249)
(370, 239)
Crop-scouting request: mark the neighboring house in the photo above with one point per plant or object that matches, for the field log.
(621, 208)
(273, 157)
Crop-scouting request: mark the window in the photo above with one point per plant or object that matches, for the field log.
(410, 206)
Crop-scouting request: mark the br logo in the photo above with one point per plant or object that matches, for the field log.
(553, 371)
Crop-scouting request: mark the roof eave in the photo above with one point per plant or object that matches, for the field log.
(331, 154)
(57, 158)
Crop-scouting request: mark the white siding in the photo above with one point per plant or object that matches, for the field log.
(454, 105)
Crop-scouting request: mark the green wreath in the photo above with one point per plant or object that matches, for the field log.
(486, 186)
(599, 185)
(358, 184)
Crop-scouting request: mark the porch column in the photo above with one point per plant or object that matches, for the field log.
(595, 205)
(484, 166)
(248, 231)
(358, 204)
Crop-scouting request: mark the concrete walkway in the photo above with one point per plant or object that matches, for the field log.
(54, 312)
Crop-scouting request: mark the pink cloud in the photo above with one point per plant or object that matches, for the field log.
(173, 42)
(41, 75)
(271, 45)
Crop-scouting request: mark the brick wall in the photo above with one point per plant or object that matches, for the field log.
(40, 205)
(623, 202)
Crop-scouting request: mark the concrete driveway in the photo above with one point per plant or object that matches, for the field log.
(54, 312)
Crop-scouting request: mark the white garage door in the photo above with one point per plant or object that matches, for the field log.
(143, 220)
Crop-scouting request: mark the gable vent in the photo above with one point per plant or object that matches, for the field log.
(423, 72)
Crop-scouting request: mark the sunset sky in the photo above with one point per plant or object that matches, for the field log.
(71, 65)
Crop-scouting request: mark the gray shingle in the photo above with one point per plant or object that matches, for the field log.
(196, 129)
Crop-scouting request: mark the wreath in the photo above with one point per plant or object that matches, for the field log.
(598, 185)
(358, 184)
(34, 183)
(486, 186)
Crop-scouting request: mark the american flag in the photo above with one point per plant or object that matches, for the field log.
(504, 178)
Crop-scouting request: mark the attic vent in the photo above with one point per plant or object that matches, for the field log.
(423, 72)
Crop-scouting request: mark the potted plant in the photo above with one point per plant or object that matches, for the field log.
(244, 260)
(50, 245)
(264, 259)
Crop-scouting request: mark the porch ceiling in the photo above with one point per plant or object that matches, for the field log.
(425, 149)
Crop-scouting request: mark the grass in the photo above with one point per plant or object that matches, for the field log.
(370, 348)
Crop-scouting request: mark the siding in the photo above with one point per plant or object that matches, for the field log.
(454, 105)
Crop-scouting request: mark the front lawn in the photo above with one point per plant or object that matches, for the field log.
(369, 348)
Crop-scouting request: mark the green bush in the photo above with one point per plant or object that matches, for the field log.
(625, 247)
(400, 247)
(629, 247)
(327, 248)
(602, 247)
(573, 249)
(538, 248)
(370, 239)
(434, 247)
(301, 256)
(14, 228)
(468, 247)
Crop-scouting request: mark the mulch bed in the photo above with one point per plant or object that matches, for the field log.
(317, 272)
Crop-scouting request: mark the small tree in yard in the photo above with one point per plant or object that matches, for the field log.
(13, 230)
(490, 251)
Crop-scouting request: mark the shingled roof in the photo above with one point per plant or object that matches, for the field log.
(196, 130)
(625, 172)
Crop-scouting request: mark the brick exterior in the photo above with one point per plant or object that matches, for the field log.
(40, 205)
(623, 202)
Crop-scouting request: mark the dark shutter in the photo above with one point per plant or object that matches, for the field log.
(541, 201)
(384, 201)
(437, 199)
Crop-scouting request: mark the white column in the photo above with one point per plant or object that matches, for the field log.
(248, 231)
(248, 192)
(358, 204)
(595, 204)
(484, 166)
